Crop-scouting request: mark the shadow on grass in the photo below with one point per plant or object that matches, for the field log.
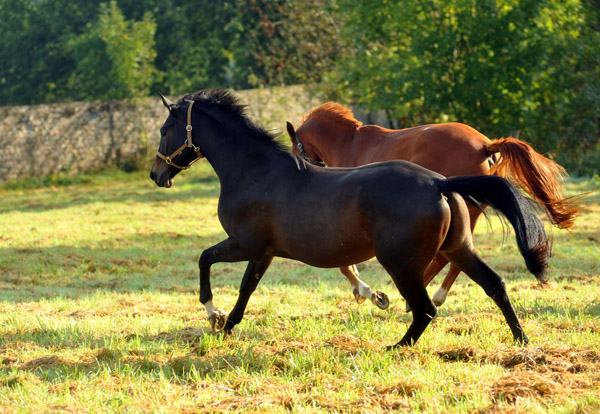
(157, 262)
(174, 354)
(171, 265)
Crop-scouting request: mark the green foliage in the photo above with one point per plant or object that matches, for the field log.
(106, 50)
(499, 65)
(114, 57)
(502, 66)
(243, 44)
(35, 67)
(283, 41)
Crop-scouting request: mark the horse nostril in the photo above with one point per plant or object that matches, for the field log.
(152, 176)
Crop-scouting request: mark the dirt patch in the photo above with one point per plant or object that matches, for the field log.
(70, 387)
(68, 409)
(20, 378)
(467, 328)
(188, 335)
(278, 348)
(404, 388)
(350, 344)
(84, 313)
(465, 354)
(45, 362)
(516, 287)
(539, 373)
(527, 384)
(568, 326)
(256, 403)
(8, 360)
(578, 278)
(546, 359)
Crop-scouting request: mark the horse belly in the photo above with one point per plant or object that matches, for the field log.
(329, 257)
(325, 240)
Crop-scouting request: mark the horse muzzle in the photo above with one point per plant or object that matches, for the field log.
(162, 176)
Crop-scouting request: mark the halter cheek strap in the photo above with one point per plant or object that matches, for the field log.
(187, 144)
(304, 155)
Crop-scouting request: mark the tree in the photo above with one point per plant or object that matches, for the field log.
(114, 57)
(34, 67)
(284, 41)
(241, 43)
(498, 65)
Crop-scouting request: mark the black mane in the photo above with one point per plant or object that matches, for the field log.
(228, 103)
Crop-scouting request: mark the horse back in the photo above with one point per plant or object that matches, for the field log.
(450, 149)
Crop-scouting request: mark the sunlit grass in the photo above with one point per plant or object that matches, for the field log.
(99, 313)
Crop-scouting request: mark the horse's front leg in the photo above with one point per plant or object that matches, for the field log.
(226, 251)
(252, 276)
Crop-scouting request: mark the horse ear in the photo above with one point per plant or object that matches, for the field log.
(291, 131)
(166, 102)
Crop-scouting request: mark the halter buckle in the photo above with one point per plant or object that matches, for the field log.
(188, 128)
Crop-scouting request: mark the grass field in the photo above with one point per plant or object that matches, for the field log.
(99, 313)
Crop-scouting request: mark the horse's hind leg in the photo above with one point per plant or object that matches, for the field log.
(409, 281)
(363, 291)
(432, 270)
(442, 293)
(413, 290)
(252, 276)
(493, 285)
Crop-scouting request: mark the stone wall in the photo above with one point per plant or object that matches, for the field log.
(74, 137)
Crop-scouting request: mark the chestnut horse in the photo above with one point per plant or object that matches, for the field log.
(397, 211)
(330, 135)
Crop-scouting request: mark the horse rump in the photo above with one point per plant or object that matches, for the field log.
(504, 197)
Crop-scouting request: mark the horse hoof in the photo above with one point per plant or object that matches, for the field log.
(396, 346)
(380, 300)
(217, 321)
(359, 299)
(439, 297)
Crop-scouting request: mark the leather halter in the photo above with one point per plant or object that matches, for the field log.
(304, 155)
(187, 144)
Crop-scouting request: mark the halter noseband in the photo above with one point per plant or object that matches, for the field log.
(187, 144)
(304, 155)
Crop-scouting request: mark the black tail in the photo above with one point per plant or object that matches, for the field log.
(502, 196)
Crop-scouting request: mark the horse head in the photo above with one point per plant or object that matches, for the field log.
(304, 147)
(176, 150)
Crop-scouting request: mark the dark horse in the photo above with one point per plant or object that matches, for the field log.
(273, 203)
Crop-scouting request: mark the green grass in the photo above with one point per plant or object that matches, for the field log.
(99, 313)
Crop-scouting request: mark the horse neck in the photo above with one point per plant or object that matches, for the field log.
(233, 154)
(331, 140)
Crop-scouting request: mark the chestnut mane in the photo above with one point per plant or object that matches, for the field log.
(336, 112)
